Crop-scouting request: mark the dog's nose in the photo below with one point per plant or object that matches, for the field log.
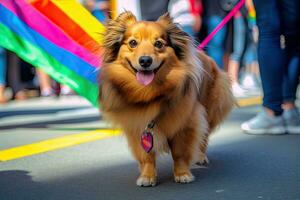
(145, 61)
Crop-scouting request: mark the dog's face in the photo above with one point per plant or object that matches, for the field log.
(145, 48)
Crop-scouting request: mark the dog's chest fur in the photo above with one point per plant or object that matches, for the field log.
(170, 117)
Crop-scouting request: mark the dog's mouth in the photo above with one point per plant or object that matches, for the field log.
(145, 77)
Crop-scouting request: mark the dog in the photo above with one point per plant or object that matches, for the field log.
(164, 94)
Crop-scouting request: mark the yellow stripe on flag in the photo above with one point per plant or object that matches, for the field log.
(82, 17)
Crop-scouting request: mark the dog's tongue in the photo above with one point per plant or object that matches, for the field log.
(144, 78)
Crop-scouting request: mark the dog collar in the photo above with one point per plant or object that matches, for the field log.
(147, 137)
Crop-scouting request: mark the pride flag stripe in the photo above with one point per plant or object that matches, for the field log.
(49, 30)
(68, 59)
(82, 17)
(50, 65)
(61, 19)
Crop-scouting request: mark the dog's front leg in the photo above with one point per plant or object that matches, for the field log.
(183, 149)
(148, 170)
(146, 161)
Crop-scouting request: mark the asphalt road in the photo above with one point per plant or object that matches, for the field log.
(242, 167)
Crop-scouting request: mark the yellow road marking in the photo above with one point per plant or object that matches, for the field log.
(56, 143)
(250, 101)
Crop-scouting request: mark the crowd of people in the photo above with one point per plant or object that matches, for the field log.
(234, 48)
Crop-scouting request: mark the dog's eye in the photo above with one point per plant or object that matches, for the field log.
(158, 44)
(133, 43)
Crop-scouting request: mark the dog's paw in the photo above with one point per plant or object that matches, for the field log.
(145, 181)
(184, 178)
(203, 160)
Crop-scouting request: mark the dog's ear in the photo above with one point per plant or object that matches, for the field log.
(114, 34)
(179, 40)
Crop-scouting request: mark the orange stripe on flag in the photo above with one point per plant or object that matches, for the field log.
(58, 17)
(81, 16)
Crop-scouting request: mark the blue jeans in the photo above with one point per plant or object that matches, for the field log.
(243, 44)
(279, 67)
(239, 38)
(2, 66)
(251, 51)
(215, 47)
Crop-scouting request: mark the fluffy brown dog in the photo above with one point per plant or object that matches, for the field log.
(161, 92)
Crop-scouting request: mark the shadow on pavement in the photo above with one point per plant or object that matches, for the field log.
(71, 119)
(242, 114)
(9, 113)
(18, 185)
(45, 124)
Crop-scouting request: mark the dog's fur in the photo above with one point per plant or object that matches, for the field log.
(188, 98)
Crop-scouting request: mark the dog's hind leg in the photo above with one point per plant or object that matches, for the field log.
(203, 138)
(202, 159)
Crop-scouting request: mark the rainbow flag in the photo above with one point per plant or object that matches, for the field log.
(59, 36)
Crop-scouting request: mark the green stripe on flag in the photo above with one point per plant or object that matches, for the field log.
(39, 58)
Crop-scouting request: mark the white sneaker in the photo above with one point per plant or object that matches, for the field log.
(262, 123)
(238, 91)
(249, 81)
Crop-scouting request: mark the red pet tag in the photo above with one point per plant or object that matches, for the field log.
(147, 140)
(147, 137)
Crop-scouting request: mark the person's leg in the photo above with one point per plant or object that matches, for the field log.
(250, 79)
(291, 20)
(45, 83)
(215, 47)
(239, 37)
(14, 76)
(291, 26)
(291, 80)
(2, 66)
(250, 53)
(271, 60)
(2, 75)
(271, 57)
(291, 113)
